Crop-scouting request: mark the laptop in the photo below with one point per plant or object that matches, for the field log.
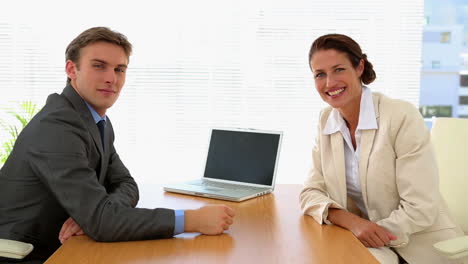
(240, 164)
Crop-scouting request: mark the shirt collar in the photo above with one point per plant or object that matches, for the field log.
(95, 115)
(334, 123)
(367, 119)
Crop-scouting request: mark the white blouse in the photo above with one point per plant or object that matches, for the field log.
(336, 123)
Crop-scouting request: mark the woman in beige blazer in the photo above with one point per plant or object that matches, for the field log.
(373, 169)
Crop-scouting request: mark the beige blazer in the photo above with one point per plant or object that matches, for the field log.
(399, 179)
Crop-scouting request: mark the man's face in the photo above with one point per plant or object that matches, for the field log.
(99, 75)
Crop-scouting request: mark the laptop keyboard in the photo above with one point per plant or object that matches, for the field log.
(231, 186)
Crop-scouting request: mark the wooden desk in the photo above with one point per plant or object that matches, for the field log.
(267, 229)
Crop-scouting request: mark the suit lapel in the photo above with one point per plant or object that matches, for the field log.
(107, 150)
(94, 131)
(338, 159)
(367, 141)
(80, 106)
(98, 142)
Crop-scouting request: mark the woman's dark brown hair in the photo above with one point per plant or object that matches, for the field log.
(348, 46)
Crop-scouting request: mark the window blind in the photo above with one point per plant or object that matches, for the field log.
(203, 64)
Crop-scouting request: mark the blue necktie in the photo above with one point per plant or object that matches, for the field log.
(101, 125)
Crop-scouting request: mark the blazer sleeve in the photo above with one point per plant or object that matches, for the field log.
(314, 198)
(119, 183)
(59, 158)
(416, 176)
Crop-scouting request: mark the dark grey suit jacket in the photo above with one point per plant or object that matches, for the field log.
(58, 169)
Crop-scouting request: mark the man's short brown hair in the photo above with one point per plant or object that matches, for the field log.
(93, 35)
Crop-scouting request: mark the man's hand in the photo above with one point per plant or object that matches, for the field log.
(69, 229)
(369, 233)
(209, 220)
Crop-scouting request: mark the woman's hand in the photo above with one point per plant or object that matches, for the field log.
(369, 233)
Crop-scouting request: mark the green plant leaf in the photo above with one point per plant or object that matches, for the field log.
(27, 111)
(29, 108)
(22, 120)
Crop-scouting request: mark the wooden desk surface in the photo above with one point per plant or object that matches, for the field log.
(267, 229)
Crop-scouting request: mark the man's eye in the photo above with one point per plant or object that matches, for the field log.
(339, 69)
(98, 66)
(122, 70)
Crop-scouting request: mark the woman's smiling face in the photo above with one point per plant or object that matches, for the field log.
(336, 80)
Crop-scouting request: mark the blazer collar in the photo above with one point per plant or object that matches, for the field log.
(376, 100)
(367, 142)
(80, 106)
(337, 144)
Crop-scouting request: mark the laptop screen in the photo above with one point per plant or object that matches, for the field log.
(242, 156)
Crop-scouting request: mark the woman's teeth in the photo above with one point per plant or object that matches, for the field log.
(336, 92)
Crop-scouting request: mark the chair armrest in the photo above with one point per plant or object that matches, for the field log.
(453, 248)
(14, 249)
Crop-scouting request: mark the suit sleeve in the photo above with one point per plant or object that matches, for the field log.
(416, 177)
(120, 185)
(314, 198)
(59, 158)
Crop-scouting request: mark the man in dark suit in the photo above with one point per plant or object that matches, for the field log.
(64, 176)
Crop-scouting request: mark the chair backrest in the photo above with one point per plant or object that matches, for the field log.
(450, 140)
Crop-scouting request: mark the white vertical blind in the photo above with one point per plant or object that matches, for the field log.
(199, 64)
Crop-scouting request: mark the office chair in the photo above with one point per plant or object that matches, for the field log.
(450, 140)
(14, 249)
